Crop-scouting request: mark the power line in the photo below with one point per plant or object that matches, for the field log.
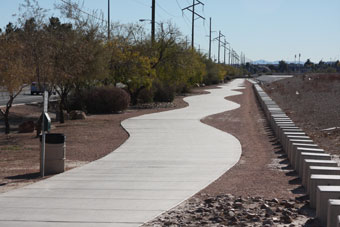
(186, 20)
(171, 15)
(141, 3)
(183, 15)
(191, 8)
(179, 5)
(82, 11)
(218, 38)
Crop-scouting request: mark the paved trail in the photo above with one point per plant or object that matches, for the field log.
(169, 157)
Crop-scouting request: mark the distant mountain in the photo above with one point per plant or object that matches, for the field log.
(264, 62)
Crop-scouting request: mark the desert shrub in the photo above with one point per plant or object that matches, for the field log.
(211, 78)
(106, 100)
(331, 70)
(145, 96)
(76, 101)
(185, 89)
(164, 93)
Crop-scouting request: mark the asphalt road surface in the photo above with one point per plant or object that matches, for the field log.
(272, 78)
(23, 98)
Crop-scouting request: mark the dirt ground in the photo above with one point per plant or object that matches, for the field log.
(263, 164)
(313, 103)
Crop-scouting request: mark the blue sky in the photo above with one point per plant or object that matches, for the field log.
(262, 29)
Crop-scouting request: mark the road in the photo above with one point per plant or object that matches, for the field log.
(23, 98)
(271, 78)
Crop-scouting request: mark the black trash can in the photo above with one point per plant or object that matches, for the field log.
(55, 153)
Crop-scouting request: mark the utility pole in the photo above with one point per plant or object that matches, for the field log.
(153, 21)
(108, 19)
(219, 43)
(224, 44)
(191, 8)
(232, 57)
(229, 54)
(186, 42)
(210, 40)
(299, 63)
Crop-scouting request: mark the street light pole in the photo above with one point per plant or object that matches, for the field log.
(153, 21)
(210, 40)
(108, 19)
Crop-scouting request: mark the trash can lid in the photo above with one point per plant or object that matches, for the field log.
(54, 138)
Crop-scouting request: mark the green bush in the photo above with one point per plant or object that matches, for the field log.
(106, 100)
(164, 93)
(211, 78)
(76, 101)
(145, 96)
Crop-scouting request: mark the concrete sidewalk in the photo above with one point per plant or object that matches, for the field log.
(169, 157)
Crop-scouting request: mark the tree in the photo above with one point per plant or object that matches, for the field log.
(308, 63)
(77, 59)
(15, 72)
(128, 66)
(283, 66)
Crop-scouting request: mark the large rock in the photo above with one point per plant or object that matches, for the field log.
(66, 115)
(77, 115)
(26, 127)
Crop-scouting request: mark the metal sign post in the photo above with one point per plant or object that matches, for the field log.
(42, 154)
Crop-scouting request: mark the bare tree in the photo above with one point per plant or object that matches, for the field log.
(15, 71)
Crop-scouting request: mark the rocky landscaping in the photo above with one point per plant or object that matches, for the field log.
(228, 210)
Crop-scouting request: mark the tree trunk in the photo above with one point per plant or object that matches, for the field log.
(61, 112)
(6, 114)
(7, 127)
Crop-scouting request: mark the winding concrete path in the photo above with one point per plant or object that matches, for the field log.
(169, 157)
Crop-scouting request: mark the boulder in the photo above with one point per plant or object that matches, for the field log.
(26, 127)
(77, 115)
(66, 115)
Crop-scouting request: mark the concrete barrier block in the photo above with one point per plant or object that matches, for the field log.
(275, 120)
(283, 130)
(322, 170)
(291, 150)
(287, 143)
(312, 153)
(279, 130)
(303, 141)
(277, 124)
(286, 135)
(317, 180)
(299, 150)
(279, 115)
(323, 194)
(307, 172)
(277, 127)
(333, 212)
